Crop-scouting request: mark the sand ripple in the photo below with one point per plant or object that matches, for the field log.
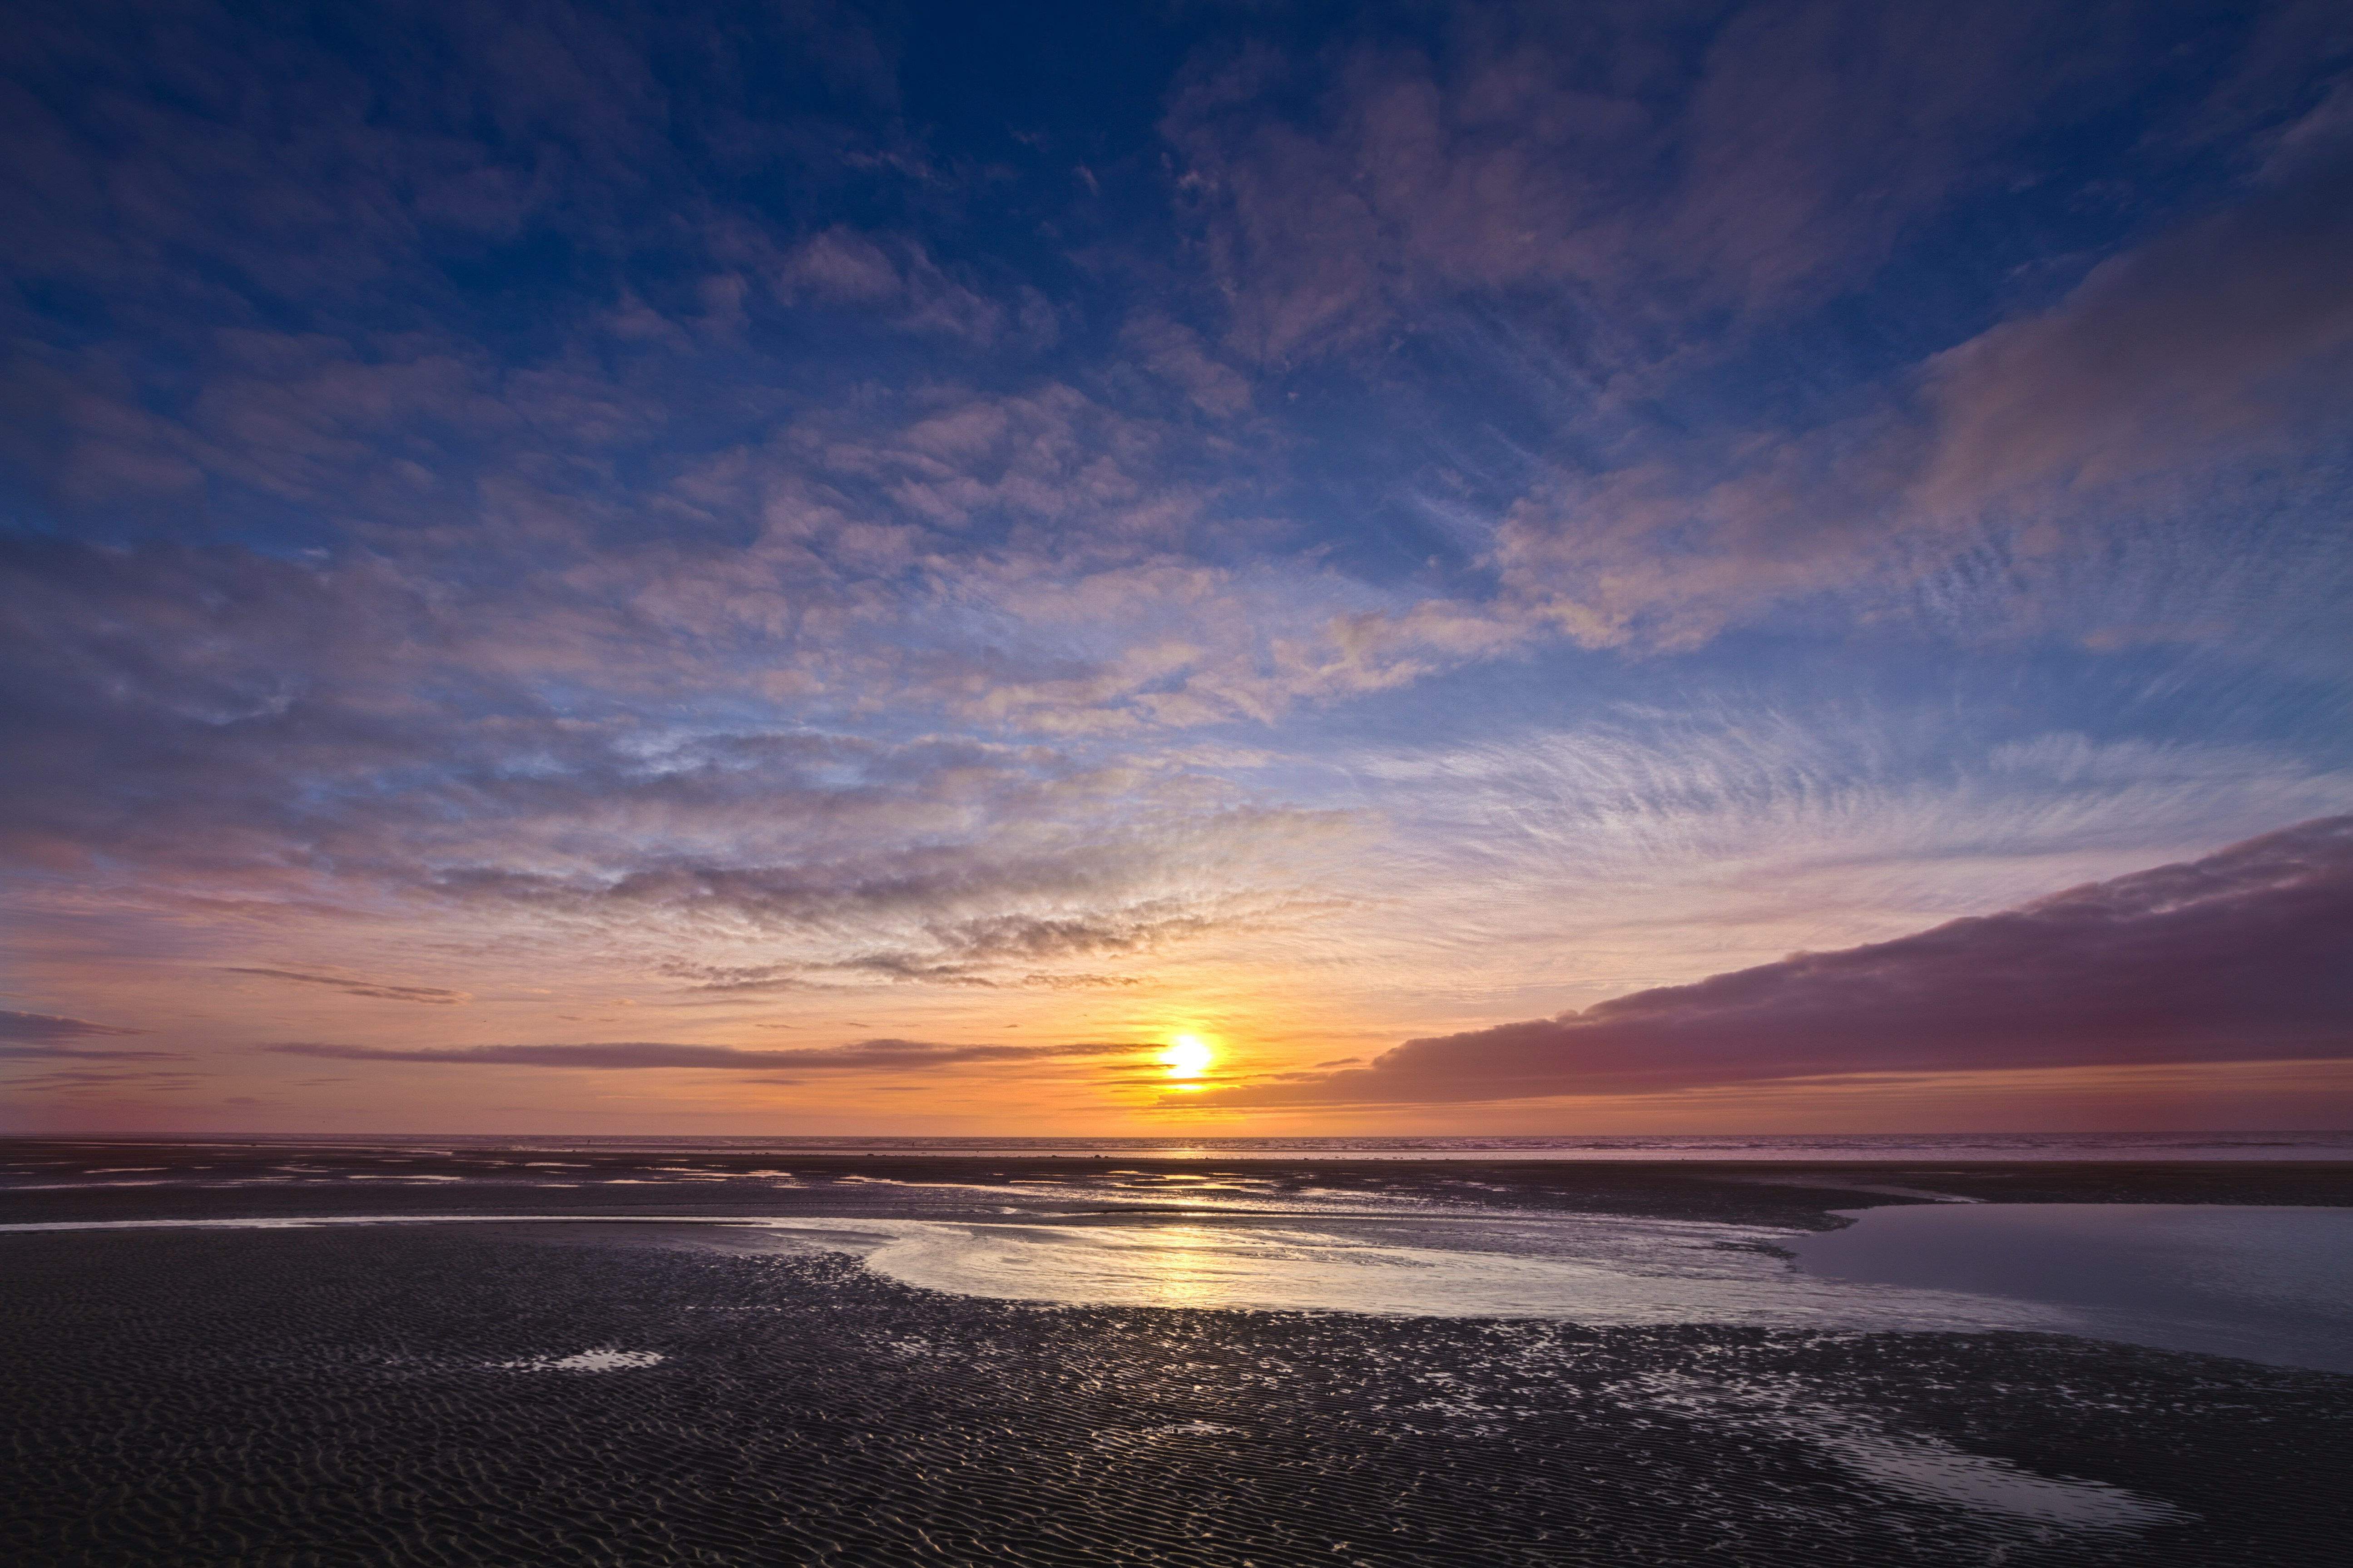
(421, 1396)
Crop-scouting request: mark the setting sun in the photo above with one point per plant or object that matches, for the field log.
(1186, 1056)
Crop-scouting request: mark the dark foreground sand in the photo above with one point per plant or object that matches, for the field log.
(400, 1396)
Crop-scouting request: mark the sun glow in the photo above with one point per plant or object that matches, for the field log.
(1188, 1055)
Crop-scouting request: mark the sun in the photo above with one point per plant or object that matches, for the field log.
(1186, 1056)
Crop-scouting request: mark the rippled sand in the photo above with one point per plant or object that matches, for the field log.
(528, 1393)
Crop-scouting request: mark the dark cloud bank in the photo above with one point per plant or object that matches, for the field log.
(2246, 955)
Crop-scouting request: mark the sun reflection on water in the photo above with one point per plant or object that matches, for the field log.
(1180, 1267)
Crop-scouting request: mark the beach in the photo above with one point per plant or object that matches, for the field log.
(275, 1352)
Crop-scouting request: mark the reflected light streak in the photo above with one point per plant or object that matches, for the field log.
(1182, 1266)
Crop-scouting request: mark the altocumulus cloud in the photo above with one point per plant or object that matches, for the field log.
(862, 1054)
(2246, 955)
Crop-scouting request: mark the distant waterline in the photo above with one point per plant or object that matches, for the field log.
(1952, 1146)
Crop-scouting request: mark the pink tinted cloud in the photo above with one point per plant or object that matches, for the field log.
(49, 1026)
(1543, 147)
(2246, 955)
(431, 996)
(897, 278)
(863, 1055)
(220, 726)
(2198, 359)
(1342, 200)
(1822, 129)
(2233, 333)
(42, 1036)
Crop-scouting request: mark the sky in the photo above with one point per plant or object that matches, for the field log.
(872, 569)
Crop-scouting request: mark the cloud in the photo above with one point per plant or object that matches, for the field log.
(38, 1036)
(978, 951)
(1174, 353)
(1654, 160)
(42, 1027)
(2238, 957)
(2166, 393)
(75, 1080)
(423, 994)
(2231, 334)
(863, 1056)
(1821, 130)
(1608, 221)
(898, 280)
(908, 967)
(349, 736)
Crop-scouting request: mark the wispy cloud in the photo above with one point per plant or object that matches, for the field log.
(351, 987)
(44, 1027)
(863, 1056)
(1567, 151)
(89, 1080)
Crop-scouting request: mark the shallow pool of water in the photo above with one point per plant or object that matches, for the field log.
(2270, 1284)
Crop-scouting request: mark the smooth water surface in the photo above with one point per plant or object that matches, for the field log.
(2270, 1284)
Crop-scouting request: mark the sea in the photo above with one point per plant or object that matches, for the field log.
(1771, 1146)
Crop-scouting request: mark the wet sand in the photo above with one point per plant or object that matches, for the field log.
(649, 1393)
(51, 1180)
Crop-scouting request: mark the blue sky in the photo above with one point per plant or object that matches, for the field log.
(535, 527)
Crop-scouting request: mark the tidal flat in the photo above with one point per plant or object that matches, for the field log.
(294, 1354)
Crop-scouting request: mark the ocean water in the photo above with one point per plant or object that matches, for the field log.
(2327, 1145)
